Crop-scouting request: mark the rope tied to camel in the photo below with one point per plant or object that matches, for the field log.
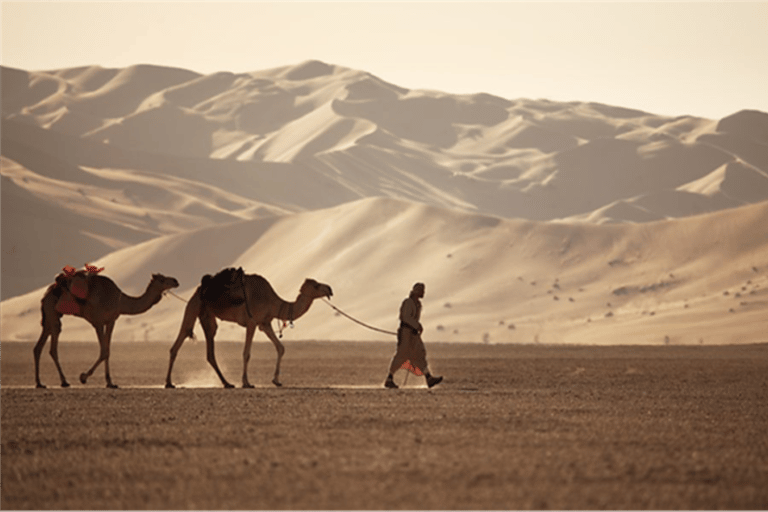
(358, 321)
(182, 299)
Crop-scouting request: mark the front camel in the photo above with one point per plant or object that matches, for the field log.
(98, 300)
(251, 302)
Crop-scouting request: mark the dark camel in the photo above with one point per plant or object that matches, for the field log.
(248, 300)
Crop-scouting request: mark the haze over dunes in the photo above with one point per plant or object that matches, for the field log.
(529, 220)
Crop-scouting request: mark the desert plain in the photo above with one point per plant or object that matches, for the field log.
(511, 427)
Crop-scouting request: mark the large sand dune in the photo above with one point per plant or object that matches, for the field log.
(697, 279)
(529, 220)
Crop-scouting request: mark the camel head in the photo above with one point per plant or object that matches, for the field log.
(315, 290)
(163, 283)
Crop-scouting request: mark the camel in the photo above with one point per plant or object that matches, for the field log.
(248, 300)
(104, 303)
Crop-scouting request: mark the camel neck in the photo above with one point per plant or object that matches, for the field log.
(290, 311)
(137, 305)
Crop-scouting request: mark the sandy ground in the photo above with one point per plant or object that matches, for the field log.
(512, 427)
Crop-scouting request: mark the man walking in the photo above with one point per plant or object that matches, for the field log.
(411, 353)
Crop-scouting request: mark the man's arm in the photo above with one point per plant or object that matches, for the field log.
(408, 315)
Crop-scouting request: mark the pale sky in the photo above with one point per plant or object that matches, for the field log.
(708, 59)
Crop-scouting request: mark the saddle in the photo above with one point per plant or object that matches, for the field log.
(71, 286)
(227, 288)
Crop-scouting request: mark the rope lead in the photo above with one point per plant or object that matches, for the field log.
(358, 321)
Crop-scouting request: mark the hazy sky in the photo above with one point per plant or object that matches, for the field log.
(700, 58)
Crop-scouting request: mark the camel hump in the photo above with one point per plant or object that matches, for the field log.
(227, 285)
(223, 278)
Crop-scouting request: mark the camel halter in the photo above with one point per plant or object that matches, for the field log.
(358, 321)
(283, 323)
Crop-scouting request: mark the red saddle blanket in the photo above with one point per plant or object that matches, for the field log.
(68, 305)
(73, 287)
(78, 285)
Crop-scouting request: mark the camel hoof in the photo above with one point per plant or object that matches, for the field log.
(112, 386)
(277, 383)
(40, 386)
(168, 385)
(247, 386)
(65, 384)
(227, 385)
(83, 378)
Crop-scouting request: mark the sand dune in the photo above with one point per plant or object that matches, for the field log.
(530, 220)
(488, 278)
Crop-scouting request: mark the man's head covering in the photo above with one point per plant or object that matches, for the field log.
(417, 286)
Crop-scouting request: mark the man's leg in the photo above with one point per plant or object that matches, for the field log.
(398, 359)
(419, 360)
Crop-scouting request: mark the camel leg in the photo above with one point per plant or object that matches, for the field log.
(39, 346)
(208, 322)
(249, 332)
(267, 328)
(37, 351)
(107, 342)
(191, 312)
(51, 323)
(174, 352)
(103, 354)
(55, 352)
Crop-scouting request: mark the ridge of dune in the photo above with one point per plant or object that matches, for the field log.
(308, 70)
(86, 78)
(315, 133)
(734, 181)
(747, 123)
